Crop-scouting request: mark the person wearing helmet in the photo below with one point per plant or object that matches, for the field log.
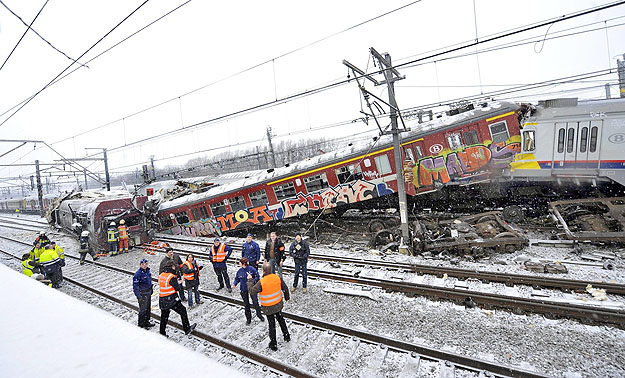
(123, 236)
(85, 247)
(42, 239)
(111, 238)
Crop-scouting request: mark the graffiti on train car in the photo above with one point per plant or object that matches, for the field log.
(249, 216)
(462, 164)
(197, 228)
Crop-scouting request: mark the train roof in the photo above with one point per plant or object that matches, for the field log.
(251, 178)
(569, 107)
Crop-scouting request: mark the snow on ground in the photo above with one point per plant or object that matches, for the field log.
(46, 333)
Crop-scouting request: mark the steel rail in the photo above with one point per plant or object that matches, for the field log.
(485, 276)
(460, 361)
(269, 362)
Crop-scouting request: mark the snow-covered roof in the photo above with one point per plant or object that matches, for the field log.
(416, 130)
(49, 334)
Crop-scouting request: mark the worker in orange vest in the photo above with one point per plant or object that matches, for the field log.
(218, 255)
(123, 236)
(272, 293)
(169, 285)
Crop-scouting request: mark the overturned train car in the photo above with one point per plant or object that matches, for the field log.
(93, 212)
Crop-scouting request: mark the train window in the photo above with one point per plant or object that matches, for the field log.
(258, 198)
(419, 153)
(593, 138)
(195, 213)
(237, 203)
(218, 208)
(454, 140)
(133, 221)
(314, 183)
(367, 163)
(165, 221)
(560, 140)
(471, 138)
(499, 132)
(529, 140)
(583, 140)
(349, 173)
(409, 154)
(570, 138)
(203, 212)
(284, 191)
(384, 167)
(181, 217)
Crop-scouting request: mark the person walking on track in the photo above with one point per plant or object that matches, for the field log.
(245, 295)
(169, 300)
(272, 293)
(85, 247)
(300, 251)
(142, 287)
(219, 254)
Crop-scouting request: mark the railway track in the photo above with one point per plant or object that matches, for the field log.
(317, 348)
(485, 300)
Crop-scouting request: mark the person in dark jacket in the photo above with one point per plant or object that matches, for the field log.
(219, 254)
(142, 287)
(169, 300)
(170, 256)
(42, 239)
(251, 251)
(274, 253)
(273, 292)
(245, 295)
(191, 275)
(85, 247)
(300, 251)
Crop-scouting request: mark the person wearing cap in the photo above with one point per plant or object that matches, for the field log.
(42, 239)
(142, 287)
(274, 253)
(112, 237)
(170, 256)
(251, 251)
(272, 293)
(218, 255)
(85, 247)
(191, 275)
(245, 295)
(300, 251)
(168, 299)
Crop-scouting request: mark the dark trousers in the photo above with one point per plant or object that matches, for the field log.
(301, 266)
(245, 295)
(83, 254)
(55, 277)
(179, 308)
(181, 293)
(112, 246)
(222, 275)
(144, 309)
(190, 291)
(272, 326)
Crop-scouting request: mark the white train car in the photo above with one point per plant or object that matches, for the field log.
(567, 140)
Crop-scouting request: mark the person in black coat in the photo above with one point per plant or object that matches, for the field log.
(300, 251)
(191, 275)
(169, 300)
(274, 253)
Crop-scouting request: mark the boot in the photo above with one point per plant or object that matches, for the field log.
(273, 346)
(261, 318)
(191, 328)
(287, 337)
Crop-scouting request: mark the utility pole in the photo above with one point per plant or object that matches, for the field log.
(258, 156)
(153, 170)
(391, 75)
(39, 189)
(273, 155)
(106, 171)
(85, 173)
(621, 75)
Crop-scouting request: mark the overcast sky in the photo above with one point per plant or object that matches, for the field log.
(205, 42)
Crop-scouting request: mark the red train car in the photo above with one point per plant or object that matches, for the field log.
(460, 149)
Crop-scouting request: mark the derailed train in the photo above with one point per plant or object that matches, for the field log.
(499, 144)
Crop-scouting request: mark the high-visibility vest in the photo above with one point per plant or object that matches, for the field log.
(190, 276)
(123, 231)
(35, 253)
(111, 235)
(48, 258)
(164, 286)
(27, 267)
(59, 252)
(220, 255)
(271, 292)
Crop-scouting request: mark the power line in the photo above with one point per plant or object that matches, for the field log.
(28, 27)
(39, 35)
(68, 67)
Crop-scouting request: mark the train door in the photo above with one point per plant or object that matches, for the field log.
(570, 150)
(419, 149)
(594, 145)
(583, 131)
(559, 146)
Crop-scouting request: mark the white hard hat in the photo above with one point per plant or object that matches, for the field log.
(84, 233)
(112, 224)
(42, 233)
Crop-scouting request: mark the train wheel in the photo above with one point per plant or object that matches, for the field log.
(513, 214)
(375, 226)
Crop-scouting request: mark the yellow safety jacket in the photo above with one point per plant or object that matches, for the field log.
(48, 259)
(35, 253)
(27, 267)
(111, 234)
(59, 252)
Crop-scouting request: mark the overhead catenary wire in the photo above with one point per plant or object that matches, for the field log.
(28, 27)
